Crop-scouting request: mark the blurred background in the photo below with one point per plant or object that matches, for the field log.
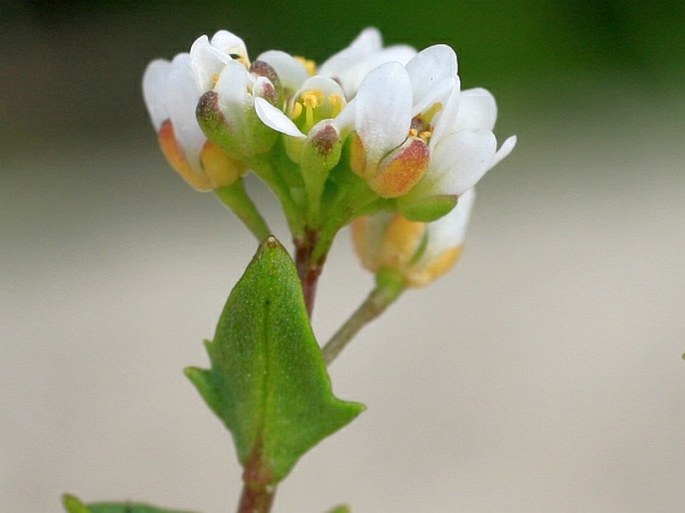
(544, 374)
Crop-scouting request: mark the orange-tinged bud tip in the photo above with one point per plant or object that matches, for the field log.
(176, 158)
(219, 167)
(436, 268)
(402, 169)
(391, 244)
(402, 241)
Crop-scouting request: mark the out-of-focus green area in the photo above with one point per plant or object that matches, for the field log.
(69, 66)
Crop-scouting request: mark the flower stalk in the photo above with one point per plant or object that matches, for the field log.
(389, 287)
(235, 197)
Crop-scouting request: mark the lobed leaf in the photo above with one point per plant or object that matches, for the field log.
(268, 381)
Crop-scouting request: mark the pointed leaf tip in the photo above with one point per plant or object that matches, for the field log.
(73, 505)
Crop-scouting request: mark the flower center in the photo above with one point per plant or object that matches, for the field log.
(316, 106)
(421, 124)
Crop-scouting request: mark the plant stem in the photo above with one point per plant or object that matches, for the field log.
(389, 286)
(308, 268)
(256, 499)
(268, 174)
(235, 197)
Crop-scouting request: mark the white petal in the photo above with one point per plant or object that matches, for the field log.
(445, 119)
(353, 76)
(274, 118)
(237, 104)
(459, 161)
(207, 62)
(290, 71)
(504, 150)
(433, 74)
(326, 85)
(383, 110)
(368, 41)
(477, 109)
(154, 90)
(450, 230)
(232, 86)
(344, 122)
(182, 96)
(229, 44)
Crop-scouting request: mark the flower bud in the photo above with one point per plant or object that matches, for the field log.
(227, 116)
(321, 150)
(171, 93)
(418, 252)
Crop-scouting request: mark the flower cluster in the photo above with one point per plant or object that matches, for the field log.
(373, 131)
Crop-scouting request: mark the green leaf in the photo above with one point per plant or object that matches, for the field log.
(74, 505)
(343, 508)
(268, 381)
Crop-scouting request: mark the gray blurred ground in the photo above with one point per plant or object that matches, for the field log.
(542, 375)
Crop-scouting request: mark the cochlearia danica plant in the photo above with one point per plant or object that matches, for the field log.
(381, 138)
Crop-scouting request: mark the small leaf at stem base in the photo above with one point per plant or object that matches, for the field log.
(268, 381)
(74, 505)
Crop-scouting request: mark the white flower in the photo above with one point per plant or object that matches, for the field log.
(463, 147)
(231, 84)
(349, 66)
(395, 112)
(317, 99)
(208, 58)
(418, 252)
(171, 94)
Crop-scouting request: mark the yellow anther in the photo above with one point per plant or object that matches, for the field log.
(336, 103)
(413, 132)
(312, 99)
(426, 135)
(297, 110)
(215, 79)
(308, 64)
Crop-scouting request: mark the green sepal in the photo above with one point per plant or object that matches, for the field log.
(241, 136)
(320, 154)
(268, 381)
(426, 209)
(74, 505)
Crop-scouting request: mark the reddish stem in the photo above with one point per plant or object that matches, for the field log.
(256, 499)
(259, 485)
(307, 269)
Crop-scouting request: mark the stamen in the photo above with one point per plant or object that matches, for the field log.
(297, 110)
(336, 103)
(421, 123)
(311, 100)
(309, 64)
(430, 113)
